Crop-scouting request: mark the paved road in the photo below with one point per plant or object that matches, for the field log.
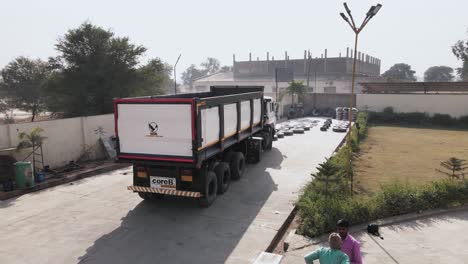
(437, 239)
(96, 220)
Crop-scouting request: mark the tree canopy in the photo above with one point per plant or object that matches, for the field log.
(439, 74)
(296, 88)
(94, 66)
(192, 73)
(23, 82)
(209, 66)
(400, 72)
(460, 50)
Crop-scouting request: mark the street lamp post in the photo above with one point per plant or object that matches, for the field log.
(175, 75)
(370, 14)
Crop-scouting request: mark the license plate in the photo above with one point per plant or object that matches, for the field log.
(163, 182)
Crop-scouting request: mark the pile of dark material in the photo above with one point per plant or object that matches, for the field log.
(342, 113)
(341, 127)
(326, 125)
(295, 126)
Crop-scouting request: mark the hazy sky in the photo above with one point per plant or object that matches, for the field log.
(417, 32)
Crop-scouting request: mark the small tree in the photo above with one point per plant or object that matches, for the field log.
(454, 168)
(328, 178)
(296, 88)
(34, 139)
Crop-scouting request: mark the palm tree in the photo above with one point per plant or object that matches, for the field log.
(34, 140)
(296, 88)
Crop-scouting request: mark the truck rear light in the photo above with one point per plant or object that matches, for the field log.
(186, 175)
(141, 172)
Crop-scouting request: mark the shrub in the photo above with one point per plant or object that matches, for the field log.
(388, 116)
(395, 199)
(413, 118)
(443, 120)
(319, 213)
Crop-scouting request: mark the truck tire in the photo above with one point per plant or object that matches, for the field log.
(237, 165)
(228, 156)
(269, 146)
(223, 175)
(144, 196)
(210, 189)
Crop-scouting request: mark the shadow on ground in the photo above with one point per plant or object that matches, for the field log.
(176, 230)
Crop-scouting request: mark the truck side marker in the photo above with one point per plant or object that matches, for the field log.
(164, 191)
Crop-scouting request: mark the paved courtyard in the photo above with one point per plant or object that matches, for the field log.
(96, 220)
(437, 239)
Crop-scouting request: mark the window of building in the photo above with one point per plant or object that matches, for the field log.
(329, 89)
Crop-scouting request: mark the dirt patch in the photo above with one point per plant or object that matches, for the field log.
(407, 154)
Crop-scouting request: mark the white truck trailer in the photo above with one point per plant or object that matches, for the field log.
(193, 144)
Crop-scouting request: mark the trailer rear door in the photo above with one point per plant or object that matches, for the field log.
(155, 129)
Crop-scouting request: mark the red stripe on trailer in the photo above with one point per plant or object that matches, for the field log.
(193, 120)
(116, 127)
(155, 100)
(155, 158)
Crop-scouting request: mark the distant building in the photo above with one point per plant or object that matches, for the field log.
(324, 75)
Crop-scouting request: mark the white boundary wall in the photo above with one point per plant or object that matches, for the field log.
(455, 105)
(66, 140)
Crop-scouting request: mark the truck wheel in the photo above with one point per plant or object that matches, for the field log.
(223, 175)
(269, 143)
(210, 189)
(228, 157)
(144, 196)
(237, 165)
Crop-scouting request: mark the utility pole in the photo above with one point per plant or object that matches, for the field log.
(276, 96)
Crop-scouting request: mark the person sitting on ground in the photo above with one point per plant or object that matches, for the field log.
(350, 246)
(331, 255)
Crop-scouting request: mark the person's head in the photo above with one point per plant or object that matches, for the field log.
(334, 240)
(342, 227)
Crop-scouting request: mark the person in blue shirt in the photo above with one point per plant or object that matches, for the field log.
(331, 255)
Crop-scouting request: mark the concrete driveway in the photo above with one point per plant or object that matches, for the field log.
(436, 239)
(96, 220)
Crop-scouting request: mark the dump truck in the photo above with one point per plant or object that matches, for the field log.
(193, 144)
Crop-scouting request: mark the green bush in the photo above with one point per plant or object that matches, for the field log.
(389, 116)
(443, 120)
(463, 121)
(395, 199)
(319, 213)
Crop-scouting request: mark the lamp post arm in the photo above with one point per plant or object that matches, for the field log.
(364, 23)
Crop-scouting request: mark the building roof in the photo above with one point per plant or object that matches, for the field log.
(229, 77)
(415, 87)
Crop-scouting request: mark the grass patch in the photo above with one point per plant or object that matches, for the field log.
(408, 155)
(327, 198)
